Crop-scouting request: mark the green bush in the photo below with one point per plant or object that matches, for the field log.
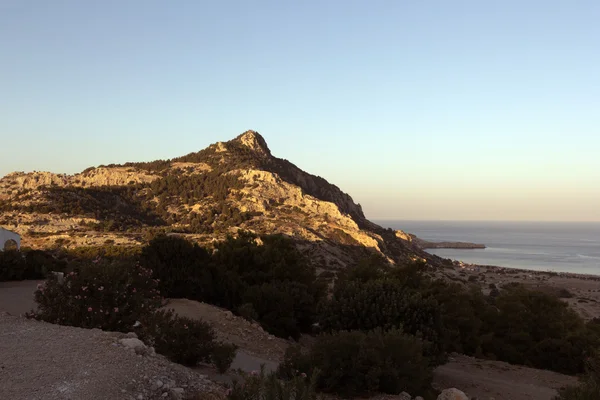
(247, 312)
(589, 387)
(182, 268)
(283, 308)
(295, 360)
(183, 340)
(516, 325)
(261, 386)
(223, 355)
(534, 328)
(113, 296)
(107, 295)
(27, 264)
(385, 304)
(264, 278)
(358, 363)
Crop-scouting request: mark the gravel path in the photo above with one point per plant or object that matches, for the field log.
(51, 362)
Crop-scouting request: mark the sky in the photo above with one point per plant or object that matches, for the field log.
(437, 110)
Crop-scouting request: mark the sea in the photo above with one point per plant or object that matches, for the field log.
(542, 246)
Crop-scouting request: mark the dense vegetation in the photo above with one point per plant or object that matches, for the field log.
(27, 264)
(270, 281)
(352, 363)
(376, 318)
(516, 325)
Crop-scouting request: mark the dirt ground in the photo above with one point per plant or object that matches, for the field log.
(41, 361)
(16, 297)
(232, 329)
(502, 381)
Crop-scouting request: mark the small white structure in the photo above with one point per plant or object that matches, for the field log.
(7, 236)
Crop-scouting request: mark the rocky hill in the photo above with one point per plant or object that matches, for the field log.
(204, 196)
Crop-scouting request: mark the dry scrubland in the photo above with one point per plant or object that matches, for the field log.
(328, 268)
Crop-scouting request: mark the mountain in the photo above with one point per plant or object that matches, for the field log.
(203, 196)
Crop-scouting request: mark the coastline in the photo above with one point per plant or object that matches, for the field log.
(500, 269)
(527, 245)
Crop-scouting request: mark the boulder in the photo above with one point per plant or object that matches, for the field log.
(452, 394)
(135, 344)
(404, 396)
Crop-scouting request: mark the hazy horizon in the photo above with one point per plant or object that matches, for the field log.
(441, 111)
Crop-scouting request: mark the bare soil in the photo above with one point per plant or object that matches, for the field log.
(249, 336)
(52, 362)
(502, 381)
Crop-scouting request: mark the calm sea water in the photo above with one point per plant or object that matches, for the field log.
(544, 246)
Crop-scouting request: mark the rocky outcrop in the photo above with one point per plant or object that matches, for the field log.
(404, 236)
(255, 142)
(92, 177)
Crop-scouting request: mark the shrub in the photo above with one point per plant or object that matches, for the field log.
(109, 296)
(462, 311)
(261, 386)
(283, 308)
(265, 279)
(589, 388)
(356, 363)
(12, 266)
(385, 304)
(517, 325)
(183, 340)
(531, 327)
(247, 312)
(223, 355)
(112, 296)
(296, 359)
(27, 264)
(179, 265)
(564, 293)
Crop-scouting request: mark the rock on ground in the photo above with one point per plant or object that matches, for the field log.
(452, 394)
(51, 362)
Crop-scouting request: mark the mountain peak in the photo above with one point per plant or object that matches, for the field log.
(254, 141)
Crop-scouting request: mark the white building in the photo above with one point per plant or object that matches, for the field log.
(7, 236)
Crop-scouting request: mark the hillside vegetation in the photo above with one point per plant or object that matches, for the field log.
(378, 318)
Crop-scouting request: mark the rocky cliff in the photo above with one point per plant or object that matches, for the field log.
(204, 196)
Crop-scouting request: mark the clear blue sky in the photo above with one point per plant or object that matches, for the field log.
(418, 109)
